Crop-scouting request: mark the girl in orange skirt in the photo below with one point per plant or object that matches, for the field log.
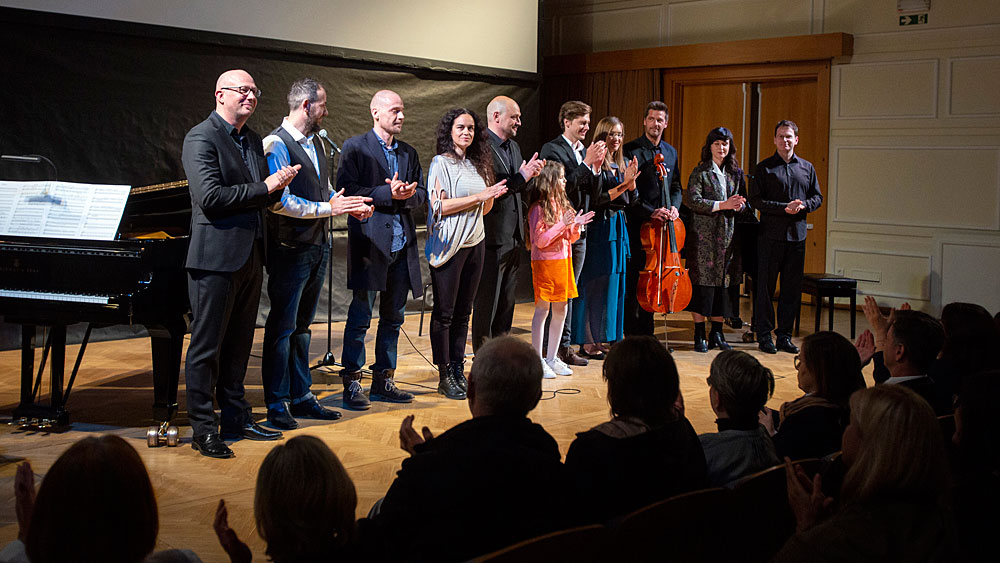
(554, 227)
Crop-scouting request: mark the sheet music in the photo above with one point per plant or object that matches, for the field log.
(61, 209)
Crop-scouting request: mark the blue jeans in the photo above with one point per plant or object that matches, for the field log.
(392, 306)
(295, 279)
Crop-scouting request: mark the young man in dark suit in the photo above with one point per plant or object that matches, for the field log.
(493, 313)
(583, 184)
(653, 202)
(230, 188)
(382, 250)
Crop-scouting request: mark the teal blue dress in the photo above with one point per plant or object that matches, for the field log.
(599, 312)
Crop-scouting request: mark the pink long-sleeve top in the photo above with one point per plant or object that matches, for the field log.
(550, 242)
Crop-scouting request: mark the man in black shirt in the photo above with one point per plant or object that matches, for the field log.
(653, 203)
(493, 312)
(784, 188)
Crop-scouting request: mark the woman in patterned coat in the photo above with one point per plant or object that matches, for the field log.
(716, 193)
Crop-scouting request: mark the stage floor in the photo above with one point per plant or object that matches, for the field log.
(113, 394)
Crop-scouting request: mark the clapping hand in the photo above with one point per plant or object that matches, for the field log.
(399, 188)
(865, 345)
(794, 206)
(735, 202)
(408, 437)
(631, 173)
(581, 218)
(531, 168)
(595, 154)
(24, 498)
(805, 496)
(281, 178)
(237, 550)
(494, 191)
(878, 321)
(355, 205)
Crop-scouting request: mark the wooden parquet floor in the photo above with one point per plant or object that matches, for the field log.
(113, 394)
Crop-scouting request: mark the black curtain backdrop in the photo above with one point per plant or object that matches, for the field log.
(111, 102)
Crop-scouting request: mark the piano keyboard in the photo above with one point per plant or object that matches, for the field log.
(46, 296)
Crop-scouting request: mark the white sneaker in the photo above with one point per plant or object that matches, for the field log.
(558, 367)
(547, 372)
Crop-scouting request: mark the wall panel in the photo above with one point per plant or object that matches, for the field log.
(887, 90)
(974, 86)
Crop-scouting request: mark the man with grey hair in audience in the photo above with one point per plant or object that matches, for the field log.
(486, 483)
(298, 252)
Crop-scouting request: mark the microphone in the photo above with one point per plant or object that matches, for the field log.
(334, 149)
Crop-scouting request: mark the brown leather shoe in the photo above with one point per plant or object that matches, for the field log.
(569, 357)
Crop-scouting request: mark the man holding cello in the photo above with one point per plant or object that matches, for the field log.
(653, 203)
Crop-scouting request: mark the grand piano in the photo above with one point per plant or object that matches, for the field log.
(133, 280)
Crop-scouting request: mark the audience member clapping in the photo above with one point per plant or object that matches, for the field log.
(484, 484)
(648, 449)
(304, 506)
(96, 504)
(738, 388)
(828, 371)
(893, 501)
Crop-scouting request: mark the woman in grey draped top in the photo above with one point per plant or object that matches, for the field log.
(460, 193)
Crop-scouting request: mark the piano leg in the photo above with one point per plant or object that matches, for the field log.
(167, 343)
(29, 412)
(27, 364)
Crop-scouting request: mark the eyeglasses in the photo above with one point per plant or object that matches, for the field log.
(795, 361)
(617, 135)
(244, 90)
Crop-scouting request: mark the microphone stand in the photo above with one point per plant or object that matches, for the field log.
(329, 359)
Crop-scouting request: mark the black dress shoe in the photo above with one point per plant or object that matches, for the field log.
(765, 344)
(252, 431)
(785, 345)
(312, 409)
(280, 418)
(718, 340)
(211, 445)
(700, 345)
(447, 385)
(598, 355)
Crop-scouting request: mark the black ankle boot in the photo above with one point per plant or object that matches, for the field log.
(716, 338)
(447, 385)
(354, 396)
(699, 338)
(458, 373)
(384, 388)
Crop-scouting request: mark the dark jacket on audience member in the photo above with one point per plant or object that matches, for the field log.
(876, 531)
(937, 395)
(618, 472)
(811, 427)
(736, 451)
(485, 484)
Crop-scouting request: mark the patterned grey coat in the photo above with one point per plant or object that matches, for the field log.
(711, 254)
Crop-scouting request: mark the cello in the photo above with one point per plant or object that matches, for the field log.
(664, 283)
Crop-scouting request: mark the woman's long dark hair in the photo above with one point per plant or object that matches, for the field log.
(478, 152)
(730, 164)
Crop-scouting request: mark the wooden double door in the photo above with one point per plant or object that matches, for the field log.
(749, 100)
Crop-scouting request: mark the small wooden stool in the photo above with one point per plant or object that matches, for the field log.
(828, 285)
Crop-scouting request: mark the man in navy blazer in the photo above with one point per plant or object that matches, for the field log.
(382, 250)
(583, 184)
(230, 188)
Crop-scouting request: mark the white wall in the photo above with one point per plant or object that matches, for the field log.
(443, 30)
(914, 182)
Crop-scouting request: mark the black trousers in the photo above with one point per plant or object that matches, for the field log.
(493, 313)
(787, 259)
(224, 311)
(454, 284)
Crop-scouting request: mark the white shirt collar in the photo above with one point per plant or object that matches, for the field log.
(295, 133)
(895, 380)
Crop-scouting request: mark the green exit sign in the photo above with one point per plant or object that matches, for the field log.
(915, 19)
